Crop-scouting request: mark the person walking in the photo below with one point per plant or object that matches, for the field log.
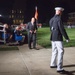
(57, 33)
(31, 29)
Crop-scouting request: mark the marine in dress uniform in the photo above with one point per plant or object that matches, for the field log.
(57, 33)
(31, 29)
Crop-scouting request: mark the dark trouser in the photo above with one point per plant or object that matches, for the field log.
(32, 38)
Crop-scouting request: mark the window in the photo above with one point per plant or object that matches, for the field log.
(14, 21)
(12, 11)
(20, 11)
(17, 21)
(9, 16)
(12, 16)
(22, 16)
(20, 21)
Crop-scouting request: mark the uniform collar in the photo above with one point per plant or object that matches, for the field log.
(57, 15)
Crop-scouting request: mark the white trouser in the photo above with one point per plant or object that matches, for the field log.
(57, 54)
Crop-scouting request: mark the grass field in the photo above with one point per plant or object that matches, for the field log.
(43, 37)
(8, 48)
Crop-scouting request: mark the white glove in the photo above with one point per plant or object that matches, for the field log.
(67, 40)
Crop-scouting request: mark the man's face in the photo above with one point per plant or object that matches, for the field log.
(59, 12)
(33, 20)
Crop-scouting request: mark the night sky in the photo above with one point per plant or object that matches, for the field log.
(45, 7)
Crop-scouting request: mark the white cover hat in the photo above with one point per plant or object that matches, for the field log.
(59, 8)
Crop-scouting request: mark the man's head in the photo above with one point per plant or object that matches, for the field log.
(32, 19)
(17, 28)
(6, 25)
(59, 10)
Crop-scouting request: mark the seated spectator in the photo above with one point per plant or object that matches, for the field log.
(18, 35)
(8, 34)
(22, 26)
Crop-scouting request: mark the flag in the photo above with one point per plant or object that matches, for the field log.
(36, 13)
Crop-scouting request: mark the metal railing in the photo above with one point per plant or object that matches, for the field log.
(3, 31)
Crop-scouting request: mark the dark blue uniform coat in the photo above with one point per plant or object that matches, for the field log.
(57, 29)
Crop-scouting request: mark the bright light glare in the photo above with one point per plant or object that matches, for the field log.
(0, 15)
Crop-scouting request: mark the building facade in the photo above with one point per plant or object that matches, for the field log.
(17, 16)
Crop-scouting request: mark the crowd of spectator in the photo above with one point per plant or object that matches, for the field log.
(14, 33)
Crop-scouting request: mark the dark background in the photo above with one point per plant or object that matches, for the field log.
(45, 8)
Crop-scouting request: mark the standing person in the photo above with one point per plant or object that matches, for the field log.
(31, 29)
(57, 33)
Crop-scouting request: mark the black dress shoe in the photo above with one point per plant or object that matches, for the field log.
(61, 71)
(53, 66)
(35, 48)
(30, 48)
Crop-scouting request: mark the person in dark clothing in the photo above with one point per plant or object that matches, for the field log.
(57, 33)
(31, 29)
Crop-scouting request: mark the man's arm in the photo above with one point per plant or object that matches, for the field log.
(62, 30)
(27, 27)
(51, 23)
